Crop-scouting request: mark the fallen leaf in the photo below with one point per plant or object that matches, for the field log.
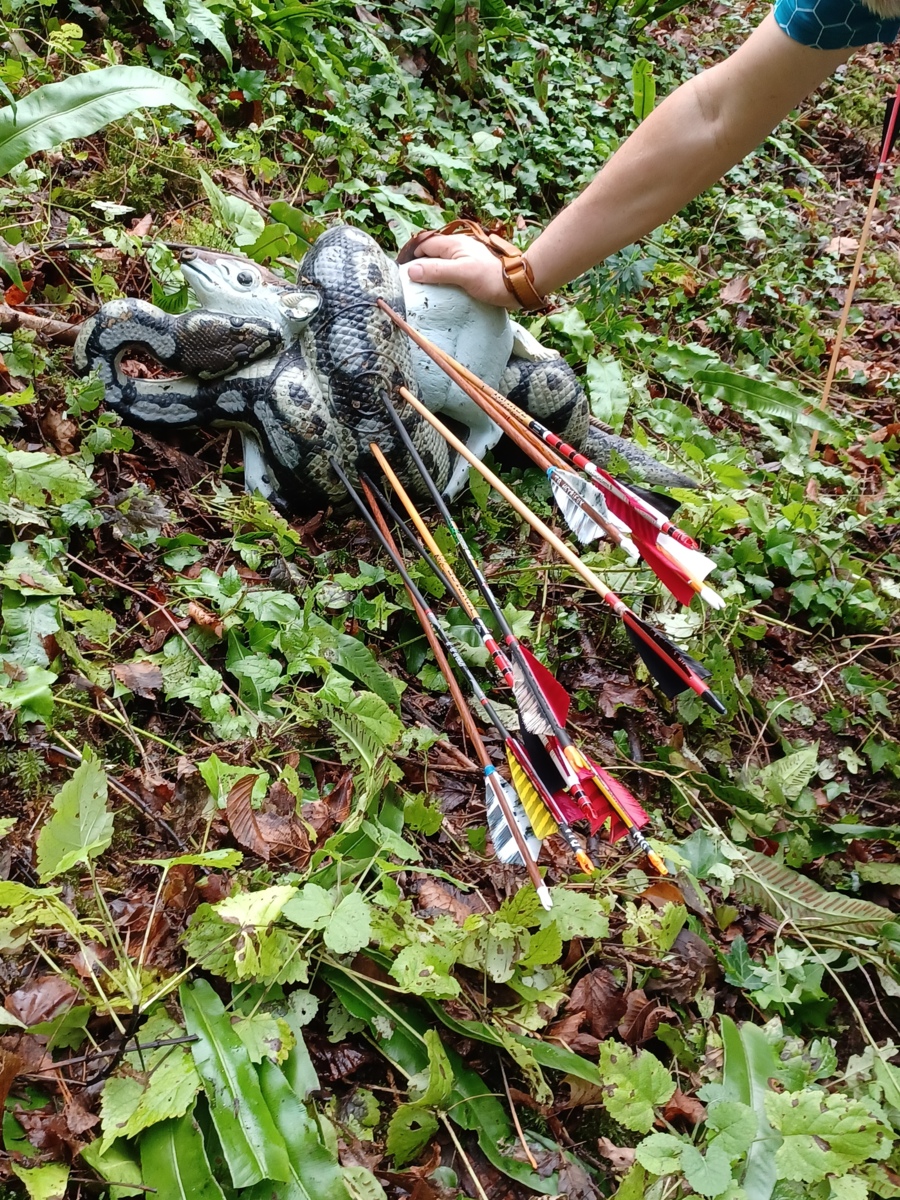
(735, 291)
(266, 833)
(601, 999)
(613, 694)
(686, 1108)
(46, 1130)
(78, 1119)
(340, 798)
(642, 1018)
(566, 1028)
(690, 965)
(18, 295)
(41, 999)
(142, 678)
(11, 1065)
(435, 898)
(61, 430)
(661, 892)
(885, 432)
(620, 1157)
(142, 225)
(205, 619)
(839, 246)
(243, 821)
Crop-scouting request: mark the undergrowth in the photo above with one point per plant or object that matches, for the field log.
(240, 822)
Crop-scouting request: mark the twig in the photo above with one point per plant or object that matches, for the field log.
(515, 1117)
(482, 1194)
(58, 331)
(84, 1058)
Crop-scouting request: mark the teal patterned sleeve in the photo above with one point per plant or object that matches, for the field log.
(832, 24)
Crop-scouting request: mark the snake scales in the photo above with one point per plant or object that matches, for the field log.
(300, 369)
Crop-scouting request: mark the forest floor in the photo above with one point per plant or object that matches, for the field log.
(271, 865)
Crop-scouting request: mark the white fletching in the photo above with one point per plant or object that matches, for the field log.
(504, 843)
(581, 523)
(695, 564)
(531, 714)
(713, 599)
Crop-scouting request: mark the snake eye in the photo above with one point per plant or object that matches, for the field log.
(245, 278)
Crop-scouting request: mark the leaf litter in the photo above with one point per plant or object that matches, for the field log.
(358, 966)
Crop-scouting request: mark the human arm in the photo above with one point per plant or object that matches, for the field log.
(688, 142)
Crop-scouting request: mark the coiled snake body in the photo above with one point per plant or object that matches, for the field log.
(300, 369)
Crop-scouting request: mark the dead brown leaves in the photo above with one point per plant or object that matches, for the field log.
(267, 833)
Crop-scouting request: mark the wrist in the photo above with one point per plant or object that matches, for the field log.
(519, 281)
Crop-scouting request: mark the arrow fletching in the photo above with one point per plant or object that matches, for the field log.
(502, 839)
(585, 511)
(538, 815)
(536, 689)
(672, 668)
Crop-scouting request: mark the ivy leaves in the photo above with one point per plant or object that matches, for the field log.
(344, 922)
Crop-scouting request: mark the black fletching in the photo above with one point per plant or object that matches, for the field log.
(885, 126)
(656, 659)
(667, 505)
(541, 762)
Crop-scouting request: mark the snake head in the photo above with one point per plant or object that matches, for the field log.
(229, 283)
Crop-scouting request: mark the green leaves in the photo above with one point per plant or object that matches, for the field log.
(345, 924)
(237, 217)
(785, 893)
(824, 1135)
(634, 1084)
(643, 86)
(413, 1125)
(35, 477)
(80, 827)
(174, 1162)
(80, 105)
(252, 1145)
(761, 398)
(154, 1087)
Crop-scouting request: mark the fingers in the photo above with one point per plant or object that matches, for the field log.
(444, 245)
(448, 271)
(459, 262)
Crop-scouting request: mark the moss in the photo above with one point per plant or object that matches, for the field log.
(144, 175)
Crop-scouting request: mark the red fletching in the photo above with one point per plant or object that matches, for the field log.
(643, 529)
(601, 809)
(666, 571)
(625, 800)
(554, 692)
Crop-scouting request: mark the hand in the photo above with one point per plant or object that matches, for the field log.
(458, 261)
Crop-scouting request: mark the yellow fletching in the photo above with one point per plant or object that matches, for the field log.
(540, 819)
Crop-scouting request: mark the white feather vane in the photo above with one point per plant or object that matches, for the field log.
(696, 564)
(581, 523)
(502, 839)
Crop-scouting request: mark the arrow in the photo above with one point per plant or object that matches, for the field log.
(547, 812)
(522, 840)
(888, 137)
(668, 551)
(673, 669)
(532, 680)
(636, 503)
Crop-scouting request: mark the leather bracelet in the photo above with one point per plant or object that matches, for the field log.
(518, 277)
(519, 280)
